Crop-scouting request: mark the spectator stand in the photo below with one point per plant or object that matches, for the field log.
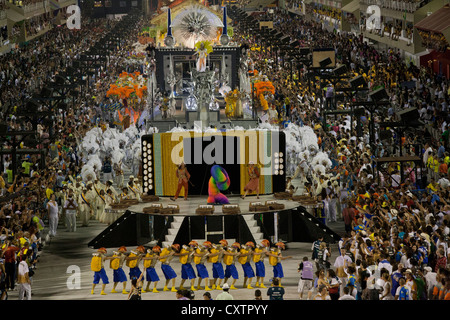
(380, 166)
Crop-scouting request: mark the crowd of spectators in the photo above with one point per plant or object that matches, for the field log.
(394, 229)
(396, 224)
(43, 177)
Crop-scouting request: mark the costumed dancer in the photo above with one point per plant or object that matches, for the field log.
(183, 178)
(253, 184)
(203, 48)
(118, 171)
(109, 200)
(109, 186)
(84, 206)
(91, 195)
(71, 206)
(219, 181)
(187, 271)
(200, 257)
(138, 187)
(133, 260)
(243, 258)
(97, 265)
(100, 206)
(133, 190)
(150, 261)
(165, 257)
(116, 264)
(275, 258)
(259, 253)
(215, 257)
(125, 194)
(229, 259)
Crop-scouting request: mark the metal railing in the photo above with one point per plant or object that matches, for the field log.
(397, 5)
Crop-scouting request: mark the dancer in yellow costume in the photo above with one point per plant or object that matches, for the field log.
(259, 253)
(231, 99)
(116, 263)
(186, 258)
(200, 257)
(150, 261)
(229, 259)
(215, 257)
(275, 258)
(165, 257)
(244, 260)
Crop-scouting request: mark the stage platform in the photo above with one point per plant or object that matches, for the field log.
(290, 222)
(189, 206)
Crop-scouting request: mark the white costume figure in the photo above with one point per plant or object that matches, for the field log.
(172, 107)
(133, 191)
(118, 170)
(136, 164)
(138, 186)
(244, 80)
(273, 115)
(292, 160)
(201, 60)
(84, 206)
(109, 186)
(110, 199)
(332, 199)
(71, 207)
(100, 206)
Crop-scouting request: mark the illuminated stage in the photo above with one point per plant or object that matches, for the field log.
(292, 222)
(188, 207)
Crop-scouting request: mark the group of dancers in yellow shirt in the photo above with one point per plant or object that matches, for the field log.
(223, 258)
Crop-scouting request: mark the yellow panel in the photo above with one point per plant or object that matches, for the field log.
(250, 144)
(169, 168)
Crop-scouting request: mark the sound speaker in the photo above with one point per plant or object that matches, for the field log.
(358, 81)
(340, 70)
(379, 95)
(325, 62)
(286, 39)
(359, 112)
(409, 115)
(46, 92)
(305, 51)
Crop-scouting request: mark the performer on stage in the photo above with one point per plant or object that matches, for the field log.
(253, 184)
(183, 179)
(203, 49)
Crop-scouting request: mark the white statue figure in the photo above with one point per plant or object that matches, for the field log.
(202, 53)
